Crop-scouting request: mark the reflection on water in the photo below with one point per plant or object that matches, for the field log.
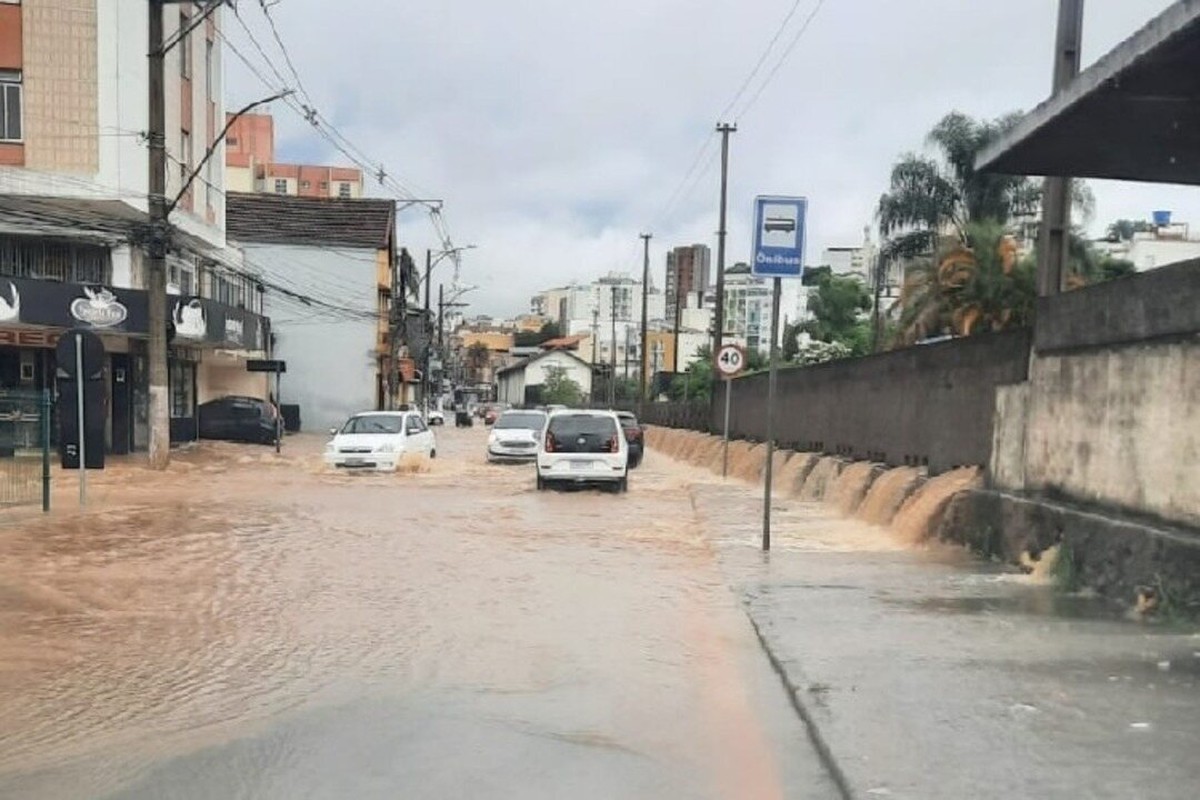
(240, 590)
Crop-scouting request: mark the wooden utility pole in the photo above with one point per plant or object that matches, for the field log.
(719, 313)
(646, 237)
(159, 211)
(612, 361)
(1055, 241)
(156, 260)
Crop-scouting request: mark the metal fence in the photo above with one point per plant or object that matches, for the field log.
(24, 448)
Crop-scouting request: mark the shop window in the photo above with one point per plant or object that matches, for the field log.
(183, 389)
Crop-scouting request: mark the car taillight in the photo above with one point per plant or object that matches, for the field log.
(614, 445)
(550, 443)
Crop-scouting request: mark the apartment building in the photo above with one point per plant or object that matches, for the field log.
(689, 274)
(747, 309)
(74, 180)
(250, 166)
(597, 309)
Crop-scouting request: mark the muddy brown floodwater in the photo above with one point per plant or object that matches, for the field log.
(248, 625)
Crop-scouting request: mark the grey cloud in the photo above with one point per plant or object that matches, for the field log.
(555, 130)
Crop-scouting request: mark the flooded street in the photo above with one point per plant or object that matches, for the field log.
(252, 626)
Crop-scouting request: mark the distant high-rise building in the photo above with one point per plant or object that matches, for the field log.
(688, 274)
(250, 165)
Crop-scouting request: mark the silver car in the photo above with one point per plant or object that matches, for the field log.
(515, 436)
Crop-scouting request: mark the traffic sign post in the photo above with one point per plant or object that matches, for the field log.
(731, 361)
(277, 367)
(779, 232)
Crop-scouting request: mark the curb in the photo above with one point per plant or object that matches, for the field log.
(824, 753)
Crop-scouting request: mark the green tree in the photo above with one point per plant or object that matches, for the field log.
(929, 197)
(559, 389)
(971, 287)
(1123, 229)
(837, 308)
(791, 342)
(478, 356)
(696, 383)
(548, 331)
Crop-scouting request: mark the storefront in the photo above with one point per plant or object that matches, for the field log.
(34, 315)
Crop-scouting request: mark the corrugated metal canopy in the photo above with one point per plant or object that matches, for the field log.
(1134, 115)
(323, 222)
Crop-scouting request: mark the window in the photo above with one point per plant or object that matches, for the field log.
(343, 190)
(305, 184)
(185, 160)
(231, 141)
(210, 189)
(185, 49)
(281, 186)
(10, 105)
(210, 77)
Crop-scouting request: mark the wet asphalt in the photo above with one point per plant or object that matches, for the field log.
(252, 626)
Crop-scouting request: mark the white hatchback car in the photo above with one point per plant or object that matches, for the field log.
(515, 436)
(583, 447)
(379, 440)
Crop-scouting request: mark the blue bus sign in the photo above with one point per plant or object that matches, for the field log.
(779, 228)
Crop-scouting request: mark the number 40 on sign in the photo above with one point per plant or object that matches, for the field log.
(731, 361)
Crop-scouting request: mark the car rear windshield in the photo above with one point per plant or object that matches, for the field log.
(530, 421)
(374, 423)
(566, 425)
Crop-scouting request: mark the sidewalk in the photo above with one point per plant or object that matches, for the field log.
(924, 673)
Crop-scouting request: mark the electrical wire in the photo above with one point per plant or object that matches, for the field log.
(762, 59)
(783, 59)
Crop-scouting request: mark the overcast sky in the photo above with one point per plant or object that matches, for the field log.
(556, 131)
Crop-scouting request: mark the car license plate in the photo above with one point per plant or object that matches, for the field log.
(355, 462)
(581, 465)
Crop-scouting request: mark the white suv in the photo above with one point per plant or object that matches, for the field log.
(583, 447)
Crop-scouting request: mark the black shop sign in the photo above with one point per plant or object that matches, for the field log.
(102, 309)
(198, 320)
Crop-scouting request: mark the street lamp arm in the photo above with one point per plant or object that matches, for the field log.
(212, 149)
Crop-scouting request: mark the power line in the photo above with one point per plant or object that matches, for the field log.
(762, 59)
(783, 59)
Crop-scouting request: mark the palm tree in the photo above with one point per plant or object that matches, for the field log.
(933, 197)
(973, 286)
(477, 359)
(947, 223)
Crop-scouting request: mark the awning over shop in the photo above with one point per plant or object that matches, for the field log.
(1134, 115)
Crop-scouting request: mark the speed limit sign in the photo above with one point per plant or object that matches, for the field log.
(731, 360)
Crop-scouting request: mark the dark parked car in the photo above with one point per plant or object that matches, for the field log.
(635, 435)
(239, 419)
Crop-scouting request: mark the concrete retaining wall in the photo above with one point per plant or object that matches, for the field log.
(1110, 416)
(930, 405)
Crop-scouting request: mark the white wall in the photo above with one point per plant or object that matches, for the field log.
(537, 372)
(123, 86)
(331, 358)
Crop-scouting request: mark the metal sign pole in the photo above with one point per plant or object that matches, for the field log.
(772, 381)
(725, 438)
(46, 450)
(82, 434)
(278, 416)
